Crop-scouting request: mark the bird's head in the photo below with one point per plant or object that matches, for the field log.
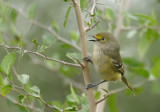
(102, 37)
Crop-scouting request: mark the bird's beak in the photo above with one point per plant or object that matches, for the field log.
(93, 40)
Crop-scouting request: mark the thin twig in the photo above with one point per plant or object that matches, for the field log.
(99, 101)
(120, 18)
(92, 12)
(10, 98)
(47, 28)
(89, 28)
(41, 55)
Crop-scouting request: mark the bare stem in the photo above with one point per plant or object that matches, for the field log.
(85, 70)
(41, 55)
(89, 28)
(47, 28)
(120, 18)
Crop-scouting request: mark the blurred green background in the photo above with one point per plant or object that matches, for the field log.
(52, 78)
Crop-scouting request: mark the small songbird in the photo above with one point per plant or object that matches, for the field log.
(107, 60)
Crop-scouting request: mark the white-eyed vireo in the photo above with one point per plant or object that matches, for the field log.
(107, 60)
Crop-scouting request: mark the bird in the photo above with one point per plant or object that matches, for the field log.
(107, 60)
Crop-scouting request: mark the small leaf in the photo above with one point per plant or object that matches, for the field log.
(23, 78)
(105, 90)
(8, 62)
(36, 89)
(21, 98)
(55, 25)
(97, 95)
(35, 42)
(74, 94)
(13, 15)
(66, 16)
(5, 90)
(32, 10)
(112, 103)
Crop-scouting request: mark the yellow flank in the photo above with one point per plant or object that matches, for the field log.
(98, 37)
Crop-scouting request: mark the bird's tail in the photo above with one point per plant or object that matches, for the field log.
(128, 84)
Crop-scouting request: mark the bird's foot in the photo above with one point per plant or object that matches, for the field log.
(94, 85)
(88, 59)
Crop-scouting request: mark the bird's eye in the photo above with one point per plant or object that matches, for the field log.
(103, 39)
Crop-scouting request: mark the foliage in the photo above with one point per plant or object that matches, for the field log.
(57, 52)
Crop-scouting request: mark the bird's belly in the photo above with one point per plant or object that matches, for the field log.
(103, 65)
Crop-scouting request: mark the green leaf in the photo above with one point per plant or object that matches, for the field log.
(74, 94)
(32, 10)
(131, 62)
(8, 62)
(35, 42)
(109, 14)
(23, 78)
(143, 46)
(35, 89)
(66, 46)
(112, 103)
(156, 69)
(97, 95)
(66, 16)
(21, 98)
(13, 15)
(105, 90)
(55, 26)
(140, 71)
(5, 90)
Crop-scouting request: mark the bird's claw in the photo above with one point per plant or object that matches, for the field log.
(88, 60)
(90, 86)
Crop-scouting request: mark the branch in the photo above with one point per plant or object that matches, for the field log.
(85, 70)
(89, 28)
(10, 98)
(99, 101)
(92, 12)
(41, 55)
(47, 28)
(120, 18)
(64, 78)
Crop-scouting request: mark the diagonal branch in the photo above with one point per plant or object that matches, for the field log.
(41, 55)
(47, 28)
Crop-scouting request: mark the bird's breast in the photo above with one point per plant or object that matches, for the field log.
(103, 65)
